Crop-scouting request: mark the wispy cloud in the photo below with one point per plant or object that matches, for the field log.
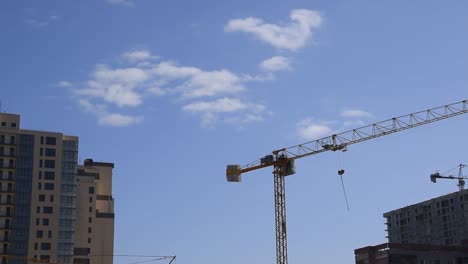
(276, 63)
(109, 119)
(310, 129)
(355, 113)
(199, 83)
(39, 23)
(138, 56)
(291, 36)
(64, 84)
(210, 94)
(209, 110)
(121, 2)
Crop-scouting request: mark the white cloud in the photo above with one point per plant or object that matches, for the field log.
(292, 36)
(109, 119)
(195, 83)
(119, 120)
(125, 87)
(309, 129)
(121, 2)
(355, 113)
(64, 84)
(157, 91)
(138, 55)
(276, 63)
(117, 86)
(209, 110)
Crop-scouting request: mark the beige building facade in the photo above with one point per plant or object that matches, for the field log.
(95, 213)
(39, 195)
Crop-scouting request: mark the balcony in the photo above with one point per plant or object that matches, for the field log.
(6, 178)
(8, 155)
(6, 215)
(5, 226)
(7, 190)
(7, 143)
(8, 166)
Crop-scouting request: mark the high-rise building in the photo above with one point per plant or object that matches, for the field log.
(38, 197)
(438, 221)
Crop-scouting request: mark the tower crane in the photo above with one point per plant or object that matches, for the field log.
(460, 177)
(283, 160)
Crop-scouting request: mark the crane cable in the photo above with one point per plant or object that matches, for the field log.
(341, 172)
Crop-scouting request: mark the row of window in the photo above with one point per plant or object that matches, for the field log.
(3, 139)
(48, 164)
(49, 141)
(45, 221)
(42, 198)
(40, 234)
(48, 175)
(12, 124)
(49, 152)
(45, 210)
(47, 186)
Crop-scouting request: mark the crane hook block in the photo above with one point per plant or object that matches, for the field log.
(233, 173)
(341, 172)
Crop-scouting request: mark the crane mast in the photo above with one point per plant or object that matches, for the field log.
(283, 160)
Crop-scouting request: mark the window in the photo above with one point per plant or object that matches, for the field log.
(45, 257)
(90, 220)
(89, 240)
(35, 246)
(42, 140)
(38, 209)
(12, 139)
(49, 234)
(50, 152)
(89, 229)
(39, 186)
(91, 190)
(40, 175)
(40, 163)
(90, 199)
(41, 197)
(41, 152)
(50, 141)
(45, 246)
(51, 198)
(49, 175)
(50, 164)
(3, 124)
(48, 210)
(37, 221)
(90, 209)
(39, 233)
(45, 221)
(13, 124)
(48, 186)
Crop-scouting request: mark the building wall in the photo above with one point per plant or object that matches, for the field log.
(94, 242)
(439, 221)
(39, 196)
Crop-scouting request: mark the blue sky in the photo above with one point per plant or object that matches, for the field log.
(173, 91)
